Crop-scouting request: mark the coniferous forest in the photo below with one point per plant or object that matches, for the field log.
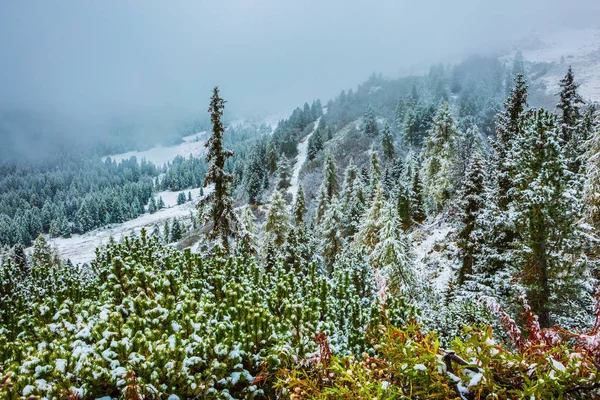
(428, 236)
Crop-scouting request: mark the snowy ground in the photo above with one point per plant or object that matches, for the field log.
(160, 155)
(430, 255)
(82, 248)
(300, 160)
(579, 48)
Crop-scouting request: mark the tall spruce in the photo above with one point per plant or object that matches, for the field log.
(471, 204)
(546, 215)
(570, 120)
(387, 143)
(220, 210)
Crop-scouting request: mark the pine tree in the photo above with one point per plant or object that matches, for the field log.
(299, 206)
(220, 210)
(180, 198)
(374, 173)
(285, 172)
(331, 234)
(152, 205)
(248, 232)
(271, 158)
(161, 203)
(315, 145)
(508, 127)
(471, 204)
(440, 155)
(176, 231)
(368, 232)
(570, 120)
(329, 185)
(387, 142)
(370, 123)
(404, 206)
(390, 253)
(417, 204)
(277, 224)
(546, 217)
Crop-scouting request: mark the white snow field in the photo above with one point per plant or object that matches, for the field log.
(82, 248)
(300, 160)
(579, 48)
(160, 155)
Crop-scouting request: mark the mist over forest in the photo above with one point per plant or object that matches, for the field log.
(310, 200)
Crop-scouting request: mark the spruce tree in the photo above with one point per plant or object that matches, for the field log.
(220, 211)
(374, 173)
(546, 217)
(277, 224)
(387, 142)
(299, 207)
(370, 123)
(417, 203)
(440, 155)
(331, 234)
(285, 172)
(570, 120)
(471, 204)
(404, 206)
(508, 127)
(329, 185)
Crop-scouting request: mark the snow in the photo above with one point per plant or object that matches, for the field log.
(301, 159)
(160, 155)
(430, 262)
(82, 248)
(580, 49)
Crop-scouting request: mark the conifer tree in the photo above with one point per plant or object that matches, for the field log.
(404, 206)
(417, 204)
(271, 158)
(374, 173)
(331, 234)
(390, 253)
(152, 205)
(546, 216)
(440, 155)
(368, 232)
(508, 127)
(299, 206)
(285, 172)
(570, 120)
(220, 211)
(161, 203)
(176, 230)
(410, 135)
(180, 198)
(315, 145)
(387, 142)
(471, 204)
(248, 232)
(370, 123)
(329, 185)
(277, 224)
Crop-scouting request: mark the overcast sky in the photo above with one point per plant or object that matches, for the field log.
(90, 59)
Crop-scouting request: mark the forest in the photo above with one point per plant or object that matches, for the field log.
(421, 237)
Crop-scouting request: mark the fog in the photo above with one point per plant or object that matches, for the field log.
(90, 61)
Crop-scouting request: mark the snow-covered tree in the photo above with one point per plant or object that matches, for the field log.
(547, 214)
(472, 202)
(387, 143)
(284, 170)
(329, 185)
(570, 120)
(278, 222)
(440, 154)
(299, 209)
(220, 210)
(370, 122)
(331, 234)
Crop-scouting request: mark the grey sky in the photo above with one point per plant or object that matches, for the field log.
(96, 59)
